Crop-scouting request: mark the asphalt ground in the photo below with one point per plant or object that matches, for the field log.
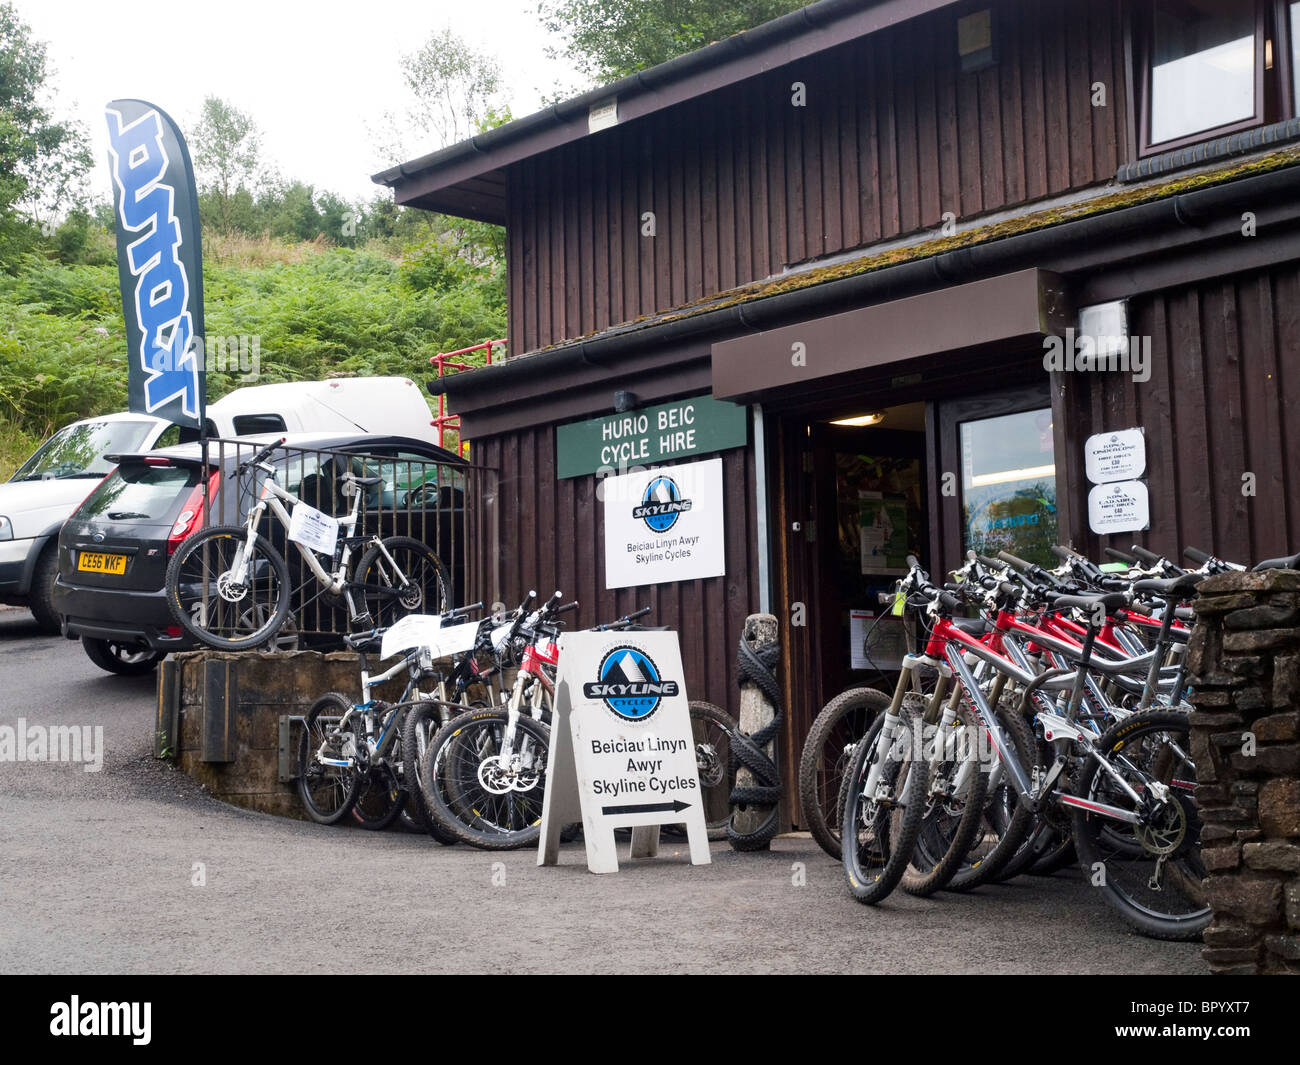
(135, 869)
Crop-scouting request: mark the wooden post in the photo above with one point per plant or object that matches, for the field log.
(755, 713)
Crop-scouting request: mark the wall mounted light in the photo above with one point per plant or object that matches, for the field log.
(624, 402)
(861, 419)
(975, 41)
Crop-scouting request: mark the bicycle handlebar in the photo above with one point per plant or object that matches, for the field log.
(1121, 556)
(262, 455)
(1197, 555)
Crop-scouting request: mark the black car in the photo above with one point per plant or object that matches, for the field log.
(114, 549)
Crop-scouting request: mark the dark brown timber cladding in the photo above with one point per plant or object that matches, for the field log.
(1221, 403)
(892, 137)
(551, 535)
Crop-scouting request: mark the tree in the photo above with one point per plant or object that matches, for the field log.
(227, 146)
(455, 93)
(610, 39)
(43, 163)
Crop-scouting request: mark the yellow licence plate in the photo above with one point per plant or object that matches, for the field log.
(96, 563)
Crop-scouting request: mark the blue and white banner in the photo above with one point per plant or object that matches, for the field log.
(159, 261)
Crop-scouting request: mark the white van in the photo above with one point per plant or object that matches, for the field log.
(391, 405)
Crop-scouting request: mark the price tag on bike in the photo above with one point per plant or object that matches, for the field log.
(313, 529)
(622, 750)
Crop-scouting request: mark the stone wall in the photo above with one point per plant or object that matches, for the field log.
(1244, 658)
(219, 717)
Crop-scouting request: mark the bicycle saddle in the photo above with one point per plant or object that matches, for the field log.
(1109, 600)
(972, 626)
(363, 481)
(1290, 562)
(1181, 587)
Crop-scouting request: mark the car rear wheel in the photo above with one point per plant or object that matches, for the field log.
(124, 659)
(41, 598)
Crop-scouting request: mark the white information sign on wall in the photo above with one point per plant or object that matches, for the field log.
(664, 524)
(1119, 507)
(313, 528)
(1117, 456)
(622, 751)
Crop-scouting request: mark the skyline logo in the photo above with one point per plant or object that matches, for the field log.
(630, 684)
(661, 505)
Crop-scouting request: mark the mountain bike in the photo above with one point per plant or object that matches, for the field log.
(229, 588)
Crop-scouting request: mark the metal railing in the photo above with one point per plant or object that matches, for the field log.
(416, 497)
(444, 362)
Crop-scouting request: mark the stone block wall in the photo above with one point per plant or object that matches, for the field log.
(1244, 661)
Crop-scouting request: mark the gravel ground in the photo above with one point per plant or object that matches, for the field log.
(98, 875)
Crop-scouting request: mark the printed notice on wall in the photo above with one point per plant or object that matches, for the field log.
(876, 642)
(664, 525)
(1116, 456)
(882, 532)
(1119, 507)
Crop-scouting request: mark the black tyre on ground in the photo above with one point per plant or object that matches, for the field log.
(420, 583)
(954, 807)
(422, 723)
(327, 792)
(878, 832)
(826, 754)
(1151, 874)
(380, 800)
(40, 599)
(124, 659)
(216, 612)
(486, 796)
(1006, 823)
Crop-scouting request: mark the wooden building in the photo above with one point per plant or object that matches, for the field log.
(903, 215)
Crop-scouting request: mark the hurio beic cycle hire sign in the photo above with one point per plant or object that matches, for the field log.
(622, 753)
(664, 524)
(700, 425)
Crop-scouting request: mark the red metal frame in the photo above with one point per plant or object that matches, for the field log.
(444, 420)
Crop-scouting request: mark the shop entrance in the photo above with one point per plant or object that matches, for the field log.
(862, 486)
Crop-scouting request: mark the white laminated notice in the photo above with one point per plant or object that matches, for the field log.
(414, 630)
(313, 529)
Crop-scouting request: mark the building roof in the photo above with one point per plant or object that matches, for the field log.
(468, 179)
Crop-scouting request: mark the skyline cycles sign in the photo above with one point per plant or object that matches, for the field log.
(159, 262)
(664, 525)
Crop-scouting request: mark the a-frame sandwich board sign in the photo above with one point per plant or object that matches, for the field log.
(622, 751)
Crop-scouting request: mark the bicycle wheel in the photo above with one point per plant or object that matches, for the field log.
(212, 605)
(878, 831)
(712, 727)
(954, 805)
(826, 755)
(1151, 873)
(484, 794)
(380, 799)
(406, 577)
(327, 791)
(1006, 823)
(422, 722)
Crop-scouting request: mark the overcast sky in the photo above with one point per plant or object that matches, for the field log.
(312, 75)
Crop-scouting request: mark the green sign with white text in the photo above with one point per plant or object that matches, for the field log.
(651, 436)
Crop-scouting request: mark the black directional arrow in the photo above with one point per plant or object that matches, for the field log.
(676, 806)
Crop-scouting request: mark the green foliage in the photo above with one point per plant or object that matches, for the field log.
(226, 148)
(610, 39)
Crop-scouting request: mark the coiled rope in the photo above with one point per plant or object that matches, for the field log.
(759, 668)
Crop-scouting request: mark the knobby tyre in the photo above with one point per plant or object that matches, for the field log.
(422, 723)
(486, 796)
(327, 792)
(954, 805)
(419, 585)
(1006, 822)
(212, 609)
(878, 832)
(826, 755)
(1151, 874)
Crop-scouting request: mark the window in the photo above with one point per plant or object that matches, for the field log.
(1204, 69)
(1009, 485)
(251, 424)
(1295, 58)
